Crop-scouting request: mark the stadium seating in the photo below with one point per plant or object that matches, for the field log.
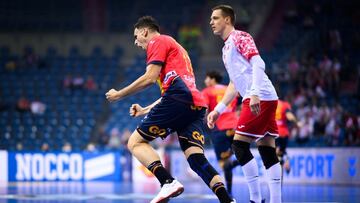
(71, 113)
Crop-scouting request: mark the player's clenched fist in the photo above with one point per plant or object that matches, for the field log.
(136, 110)
(211, 119)
(112, 95)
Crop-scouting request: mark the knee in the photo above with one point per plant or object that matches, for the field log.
(268, 156)
(242, 152)
(199, 164)
(132, 144)
(135, 140)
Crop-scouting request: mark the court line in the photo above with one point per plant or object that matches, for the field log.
(81, 197)
(128, 196)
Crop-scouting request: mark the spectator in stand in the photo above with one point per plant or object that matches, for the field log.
(10, 65)
(45, 147)
(68, 82)
(90, 84)
(23, 105)
(114, 141)
(293, 67)
(66, 147)
(30, 58)
(37, 107)
(19, 146)
(306, 130)
(78, 82)
(91, 147)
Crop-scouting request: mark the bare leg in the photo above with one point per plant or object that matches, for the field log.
(142, 150)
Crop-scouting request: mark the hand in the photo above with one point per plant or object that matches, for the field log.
(299, 124)
(211, 119)
(112, 95)
(136, 110)
(255, 104)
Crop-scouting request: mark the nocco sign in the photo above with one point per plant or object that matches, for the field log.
(63, 166)
(49, 166)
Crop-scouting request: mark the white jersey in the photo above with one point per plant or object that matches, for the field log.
(238, 49)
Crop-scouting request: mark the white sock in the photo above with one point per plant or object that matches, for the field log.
(274, 180)
(251, 173)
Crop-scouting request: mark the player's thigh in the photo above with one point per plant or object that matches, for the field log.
(257, 126)
(244, 138)
(266, 141)
(193, 135)
(134, 139)
(161, 119)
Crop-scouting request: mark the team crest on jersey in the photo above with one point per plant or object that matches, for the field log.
(169, 75)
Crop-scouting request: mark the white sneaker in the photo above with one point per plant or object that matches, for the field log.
(234, 201)
(167, 191)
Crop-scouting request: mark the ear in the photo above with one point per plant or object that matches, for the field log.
(146, 32)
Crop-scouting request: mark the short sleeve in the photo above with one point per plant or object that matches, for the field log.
(245, 44)
(156, 52)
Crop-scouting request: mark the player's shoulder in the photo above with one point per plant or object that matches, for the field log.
(238, 34)
(160, 39)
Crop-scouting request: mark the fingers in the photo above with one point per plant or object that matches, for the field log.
(111, 95)
(133, 110)
(210, 121)
(255, 108)
(210, 125)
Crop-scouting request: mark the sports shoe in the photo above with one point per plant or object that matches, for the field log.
(234, 201)
(262, 201)
(167, 191)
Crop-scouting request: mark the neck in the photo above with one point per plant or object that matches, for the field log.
(227, 32)
(152, 35)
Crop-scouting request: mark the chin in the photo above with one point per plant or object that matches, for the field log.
(216, 32)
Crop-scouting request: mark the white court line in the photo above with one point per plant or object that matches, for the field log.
(129, 196)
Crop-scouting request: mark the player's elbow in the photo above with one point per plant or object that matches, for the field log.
(150, 79)
(257, 62)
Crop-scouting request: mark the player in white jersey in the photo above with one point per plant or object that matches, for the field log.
(257, 123)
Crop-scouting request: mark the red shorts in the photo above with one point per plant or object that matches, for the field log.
(258, 126)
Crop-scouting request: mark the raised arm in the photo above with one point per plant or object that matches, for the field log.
(149, 78)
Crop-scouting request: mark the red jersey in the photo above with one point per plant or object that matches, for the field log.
(281, 119)
(176, 79)
(213, 96)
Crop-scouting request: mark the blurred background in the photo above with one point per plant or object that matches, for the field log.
(59, 58)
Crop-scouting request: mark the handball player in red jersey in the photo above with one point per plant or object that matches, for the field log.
(181, 108)
(223, 133)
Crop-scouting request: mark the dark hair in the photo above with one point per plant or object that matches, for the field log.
(215, 75)
(226, 11)
(148, 22)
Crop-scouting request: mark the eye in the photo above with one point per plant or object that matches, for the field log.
(135, 37)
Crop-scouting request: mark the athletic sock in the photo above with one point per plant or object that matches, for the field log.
(251, 173)
(221, 193)
(160, 172)
(274, 180)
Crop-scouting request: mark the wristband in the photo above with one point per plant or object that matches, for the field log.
(220, 107)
